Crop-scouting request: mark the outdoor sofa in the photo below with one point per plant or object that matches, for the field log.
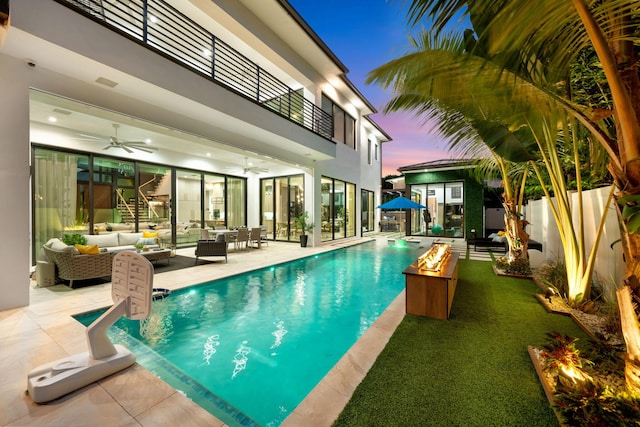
(68, 263)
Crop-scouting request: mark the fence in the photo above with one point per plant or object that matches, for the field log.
(609, 266)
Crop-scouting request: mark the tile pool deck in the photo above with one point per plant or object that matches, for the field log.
(45, 331)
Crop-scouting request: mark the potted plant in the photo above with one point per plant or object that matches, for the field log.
(305, 226)
(74, 239)
(138, 246)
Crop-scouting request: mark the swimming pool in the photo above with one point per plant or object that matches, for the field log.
(250, 347)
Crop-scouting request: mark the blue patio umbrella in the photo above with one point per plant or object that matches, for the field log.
(401, 203)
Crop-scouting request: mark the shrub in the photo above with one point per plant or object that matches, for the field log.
(554, 275)
(518, 267)
(590, 403)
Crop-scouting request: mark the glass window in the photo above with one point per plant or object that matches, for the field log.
(350, 210)
(344, 126)
(326, 195)
(82, 193)
(114, 193)
(367, 207)
(267, 207)
(236, 197)
(188, 207)
(214, 206)
(350, 131)
(282, 202)
(60, 195)
(444, 216)
(154, 196)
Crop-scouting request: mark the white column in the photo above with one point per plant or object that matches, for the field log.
(14, 184)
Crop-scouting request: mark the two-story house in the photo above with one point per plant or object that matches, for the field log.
(176, 116)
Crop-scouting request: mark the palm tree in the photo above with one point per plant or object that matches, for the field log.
(478, 102)
(541, 39)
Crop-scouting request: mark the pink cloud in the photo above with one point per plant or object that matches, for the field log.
(413, 142)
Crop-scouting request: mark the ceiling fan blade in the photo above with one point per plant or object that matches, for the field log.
(146, 150)
(139, 146)
(125, 148)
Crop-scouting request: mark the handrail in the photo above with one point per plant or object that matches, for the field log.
(124, 202)
(165, 30)
(147, 204)
(145, 199)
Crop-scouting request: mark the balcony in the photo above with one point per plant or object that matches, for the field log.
(159, 27)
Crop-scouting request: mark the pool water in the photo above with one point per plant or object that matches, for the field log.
(249, 348)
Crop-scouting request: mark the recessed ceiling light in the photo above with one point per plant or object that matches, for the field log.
(206, 52)
(52, 119)
(208, 154)
(147, 141)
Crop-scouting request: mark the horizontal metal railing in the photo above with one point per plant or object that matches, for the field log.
(162, 28)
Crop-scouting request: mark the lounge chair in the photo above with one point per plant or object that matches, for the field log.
(207, 248)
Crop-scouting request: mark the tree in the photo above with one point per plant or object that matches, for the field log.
(554, 33)
(481, 104)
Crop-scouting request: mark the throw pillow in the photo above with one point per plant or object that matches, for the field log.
(147, 241)
(88, 249)
(149, 234)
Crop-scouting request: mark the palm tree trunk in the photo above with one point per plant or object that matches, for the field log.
(631, 333)
(517, 238)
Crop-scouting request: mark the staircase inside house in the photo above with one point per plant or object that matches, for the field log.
(127, 210)
(126, 207)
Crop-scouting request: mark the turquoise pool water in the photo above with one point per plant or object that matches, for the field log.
(250, 347)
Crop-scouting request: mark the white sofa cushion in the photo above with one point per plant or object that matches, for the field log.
(58, 245)
(103, 240)
(128, 238)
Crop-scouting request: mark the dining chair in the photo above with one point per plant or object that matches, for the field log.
(255, 237)
(263, 235)
(242, 238)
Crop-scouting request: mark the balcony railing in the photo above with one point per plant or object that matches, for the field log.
(163, 29)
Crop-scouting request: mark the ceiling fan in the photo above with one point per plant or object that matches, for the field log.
(255, 169)
(127, 146)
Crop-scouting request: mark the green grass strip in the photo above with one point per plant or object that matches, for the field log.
(472, 370)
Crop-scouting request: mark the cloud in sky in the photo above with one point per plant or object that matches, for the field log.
(413, 142)
(366, 34)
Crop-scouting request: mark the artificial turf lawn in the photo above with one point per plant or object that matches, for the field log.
(472, 370)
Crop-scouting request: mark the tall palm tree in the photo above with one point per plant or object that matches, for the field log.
(550, 35)
(477, 101)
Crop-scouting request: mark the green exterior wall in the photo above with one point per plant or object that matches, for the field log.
(473, 194)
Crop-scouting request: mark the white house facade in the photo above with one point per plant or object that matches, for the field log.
(173, 116)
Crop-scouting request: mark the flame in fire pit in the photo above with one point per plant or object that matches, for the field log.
(435, 257)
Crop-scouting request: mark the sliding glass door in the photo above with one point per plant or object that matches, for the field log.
(282, 201)
(60, 195)
(445, 213)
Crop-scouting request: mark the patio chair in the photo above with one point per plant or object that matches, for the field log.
(207, 248)
(255, 238)
(242, 237)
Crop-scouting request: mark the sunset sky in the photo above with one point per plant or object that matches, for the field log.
(365, 34)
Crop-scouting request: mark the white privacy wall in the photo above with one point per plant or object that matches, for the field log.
(609, 263)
